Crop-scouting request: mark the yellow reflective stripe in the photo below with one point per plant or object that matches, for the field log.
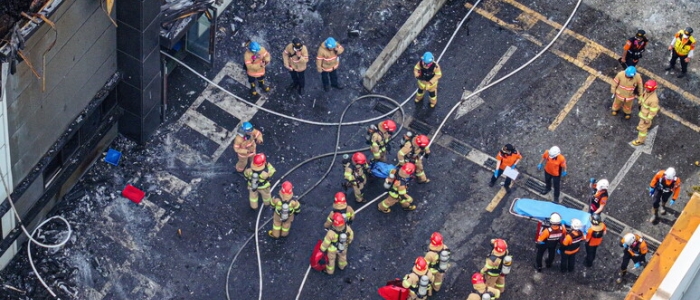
(420, 173)
(285, 229)
(383, 204)
(276, 227)
(642, 134)
(654, 109)
(402, 192)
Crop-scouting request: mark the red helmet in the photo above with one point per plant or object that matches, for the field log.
(259, 159)
(477, 278)
(359, 159)
(389, 125)
(409, 168)
(286, 187)
(421, 264)
(340, 198)
(650, 85)
(338, 219)
(500, 245)
(422, 141)
(436, 239)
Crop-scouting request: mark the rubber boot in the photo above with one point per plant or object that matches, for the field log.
(253, 91)
(654, 215)
(263, 86)
(620, 275)
(662, 208)
(410, 208)
(433, 102)
(419, 98)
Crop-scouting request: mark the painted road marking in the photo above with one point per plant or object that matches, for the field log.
(572, 102)
(173, 185)
(473, 102)
(638, 150)
(205, 126)
(496, 200)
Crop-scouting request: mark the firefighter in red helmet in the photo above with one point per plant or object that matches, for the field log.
(414, 151)
(418, 281)
(480, 290)
(379, 137)
(340, 205)
(285, 208)
(355, 170)
(336, 243)
(648, 109)
(438, 257)
(497, 265)
(258, 176)
(397, 184)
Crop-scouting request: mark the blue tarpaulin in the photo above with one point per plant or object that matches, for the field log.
(381, 169)
(541, 210)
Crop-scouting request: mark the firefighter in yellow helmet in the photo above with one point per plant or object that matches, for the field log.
(427, 72)
(414, 151)
(480, 290)
(437, 257)
(256, 59)
(497, 265)
(379, 137)
(245, 143)
(397, 184)
(418, 281)
(285, 208)
(336, 243)
(355, 177)
(258, 176)
(648, 108)
(682, 46)
(340, 205)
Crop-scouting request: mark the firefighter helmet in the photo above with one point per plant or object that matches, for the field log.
(389, 126)
(641, 33)
(422, 140)
(596, 219)
(428, 58)
(408, 168)
(603, 184)
(650, 85)
(286, 187)
(338, 219)
(330, 43)
(436, 239)
(359, 158)
(254, 47)
(630, 71)
(259, 159)
(576, 224)
(340, 198)
(555, 218)
(688, 31)
(421, 264)
(628, 239)
(500, 246)
(670, 173)
(247, 127)
(554, 151)
(296, 43)
(477, 278)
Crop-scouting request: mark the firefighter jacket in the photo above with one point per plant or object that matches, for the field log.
(480, 289)
(346, 210)
(595, 234)
(399, 188)
(244, 145)
(255, 63)
(551, 234)
(634, 48)
(379, 140)
(665, 185)
(356, 175)
(599, 199)
(572, 242)
(625, 88)
(427, 74)
(648, 106)
(554, 166)
(638, 247)
(432, 257)
(412, 281)
(294, 205)
(295, 60)
(264, 174)
(331, 240)
(494, 264)
(508, 160)
(410, 152)
(683, 46)
(327, 59)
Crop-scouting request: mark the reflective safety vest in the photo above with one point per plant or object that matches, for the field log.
(636, 48)
(495, 269)
(554, 234)
(595, 201)
(576, 239)
(683, 46)
(426, 73)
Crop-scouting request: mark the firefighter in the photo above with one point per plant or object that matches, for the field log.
(554, 165)
(397, 183)
(548, 239)
(414, 151)
(594, 237)
(635, 248)
(507, 157)
(480, 290)
(295, 57)
(418, 281)
(664, 184)
(648, 108)
(427, 72)
(256, 60)
(437, 257)
(258, 176)
(327, 63)
(336, 242)
(600, 198)
(244, 144)
(340, 205)
(285, 208)
(626, 85)
(633, 49)
(497, 265)
(682, 47)
(355, 174)
(570, 245)
(379, 137)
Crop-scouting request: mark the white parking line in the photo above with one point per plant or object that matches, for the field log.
(206, 126)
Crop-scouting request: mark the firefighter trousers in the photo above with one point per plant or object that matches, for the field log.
(626, 105)
(437, 279)
(390, 201)
(243, 162)
(425, 86)
(496, 282)
(420, 172)
(357, 189)
(568, 262)
(643, 128)
(340, 256)
(264, 193)
(280, 228)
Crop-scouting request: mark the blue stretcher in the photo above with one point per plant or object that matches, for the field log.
(538, 210)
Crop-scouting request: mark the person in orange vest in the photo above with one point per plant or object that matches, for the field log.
(664, 184)
(397, 184)
(355, 174)
(418, 281)
(379, 137)
(648, 108)
(548, 240)
(480, 290)
(327, 63)
(635, 249)
(570, 245)
(244, 144)
(340, 205)
(682, 47)
(256, 60)
(414, 151)
(336, 242)
(554, 165)
(497, 265)
(295, 57)
(600, 197)
(625, 86)
(507, 157)
(286, 207)
(258, 176)
(437, 257)
(594, 237)
(427, 72)
(633, 49)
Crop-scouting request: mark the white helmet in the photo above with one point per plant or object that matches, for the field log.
(628, 239)
(554, 151)
(555, 218)
(670, 173)
(576, 224)
(603, 184)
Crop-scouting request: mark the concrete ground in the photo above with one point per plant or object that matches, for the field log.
(180, 242)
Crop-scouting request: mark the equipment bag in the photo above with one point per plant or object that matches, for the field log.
(318, 259)
(381, 169)
(393, 290)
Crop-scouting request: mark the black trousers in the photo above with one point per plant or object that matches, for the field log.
(298, 78)
(590, 255)
(506, 183)
(626, 260)
(551, 249)
(568, 262)
(552, 181)
(252, 79)
(674, 56)
(333, 78)
(660, 196)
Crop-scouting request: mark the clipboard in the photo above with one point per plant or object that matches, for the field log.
(511, 173)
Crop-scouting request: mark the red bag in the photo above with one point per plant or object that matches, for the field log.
(394, 290)
(318, 259)
(134, 194)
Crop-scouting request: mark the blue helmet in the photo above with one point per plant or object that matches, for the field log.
(254, 47)
(428, 58)
(330, 43)
(247, 127)
(630, 71)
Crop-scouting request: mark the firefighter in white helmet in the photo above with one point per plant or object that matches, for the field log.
(551, 232)
(570, 245)
(554, 165)
(664, 184)
(600, 198)
(635, 248)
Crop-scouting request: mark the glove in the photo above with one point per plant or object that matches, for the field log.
(497, 172)
(539, 167)
(563, 173)
(672, 202)
(637, 265)
(558, 251)
(651, 191)
(514, 166)
(540, 243)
